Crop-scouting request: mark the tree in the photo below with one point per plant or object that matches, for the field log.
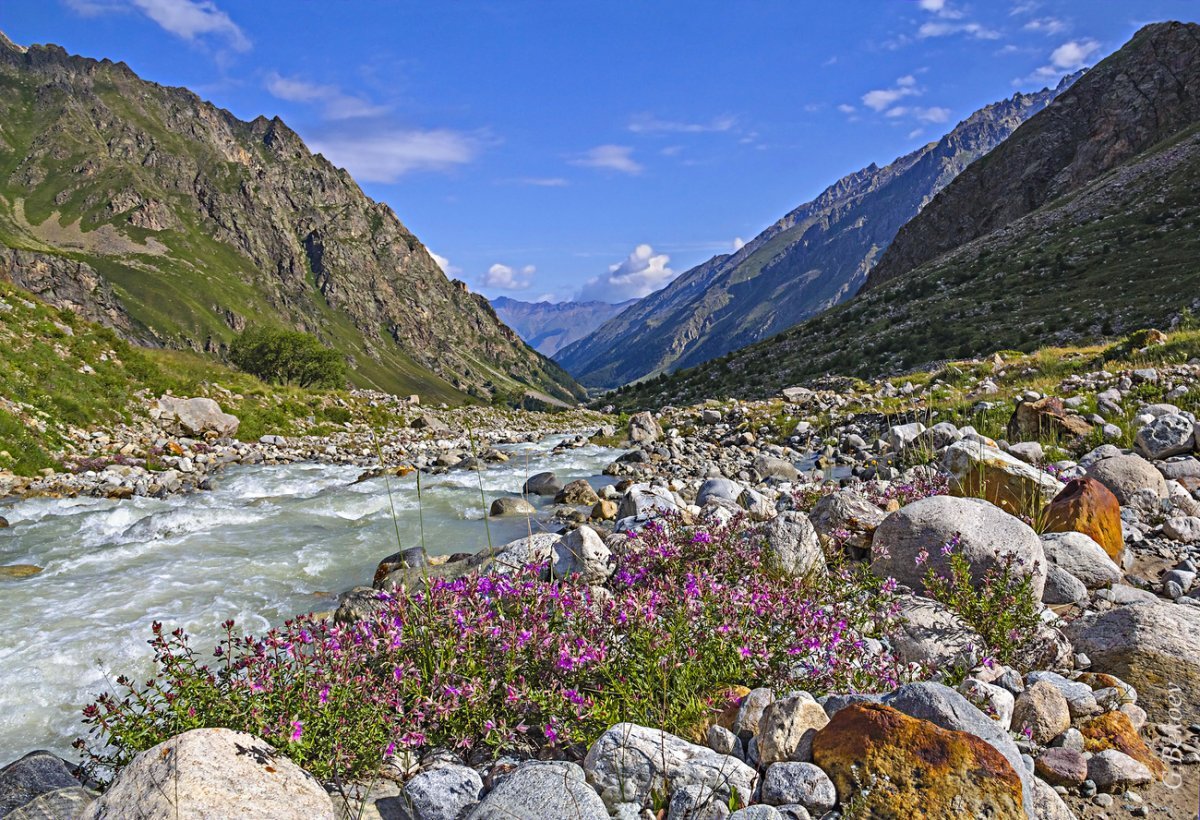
(288, 357)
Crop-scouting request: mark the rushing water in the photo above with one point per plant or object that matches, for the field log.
(268, 543)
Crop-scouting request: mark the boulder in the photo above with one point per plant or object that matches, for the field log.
(1114, 730)
(1044, 418)
(1114, 771)
(1060, 766)
(793, 540)
(919, 769)
(442, 793)
(799, 783)
(582, 552)
(1183, 528)
(1154, 646)
(748, 716)
(1080, 700)
(899, 436)
(1080, 555)
(1125, 475)
(644, 428)
(643, 501)
(981, 471)
(1062, 587)
(994, 701)
(1047, 803)
(787, 729)
(604, 510)
(431, 423)
(578, 494)
(846, 517)
(1168, 435)
(629, 762)
(933, 636)
(542, 484)
(696, 803)
(1041, 713)
(984, 533)
(719, 489)
(210, 774)
(770, 467)
(511, 505)
(193, 417)
(42, 785)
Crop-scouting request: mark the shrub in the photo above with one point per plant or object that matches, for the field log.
(288, 357)
(513, 662)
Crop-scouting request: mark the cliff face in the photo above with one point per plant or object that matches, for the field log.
(1134, 99)
(193, 223)
(813, 258)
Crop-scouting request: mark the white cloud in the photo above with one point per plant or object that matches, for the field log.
(336, 104)
(846, 109)
(444, 264)
(188, 19)
(932, 5)
(1073, 54)
(542, 182)
(882, 98)
(387, 155)
(504, 277)
(649, 124)
(738, 243)
(642, 273)
(610, 157)
(1046, 25)
(932, 114)
(944, 29)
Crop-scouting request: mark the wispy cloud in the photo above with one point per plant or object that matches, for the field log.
(1046, 25)
(943, 28)
(190, 20)
(640, 274)
(504, 277)
(444, 264)
(649, 124)
(336, 104)
(881, 98)
(1070, 56)
(387, 154)
(540, 182)
(611, 158)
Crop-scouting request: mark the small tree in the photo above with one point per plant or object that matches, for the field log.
(288, 357)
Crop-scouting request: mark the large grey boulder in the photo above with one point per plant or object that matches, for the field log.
(696, 803)
(212, 774)
(515, 555)
(511, 505)
(787, 729)
(985, 533)
(719, 489)
(644, 428)
(1125, 475)
(793, 540)
(846, 517)
(628, 762)
(1168, 435)
(442, 793)
(933, 636)
(1080, 555)
(1113, 771)
(542, 484)
(583, 552)
(643, 501)
(538, 789)
(1062, 587)
(771, 467)
(41, 785)
(193, 417)
(1152, 645)
(801, 783)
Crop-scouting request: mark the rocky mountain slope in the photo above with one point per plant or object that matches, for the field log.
(172, 221)
(548, 327)
(1114, 254)
(815, 257)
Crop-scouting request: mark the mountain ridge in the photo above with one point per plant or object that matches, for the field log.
(548, 327)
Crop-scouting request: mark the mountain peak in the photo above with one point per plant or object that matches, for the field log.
(9, 45)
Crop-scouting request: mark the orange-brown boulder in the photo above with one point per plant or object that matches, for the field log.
(895, 766)
(1087, 506)
(1033, 420)
(1114, 730)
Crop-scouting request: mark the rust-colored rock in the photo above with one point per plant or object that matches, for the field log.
(1034, 420)
(930, 772)
(1087, 506)
(723, 712)
(1114, 730)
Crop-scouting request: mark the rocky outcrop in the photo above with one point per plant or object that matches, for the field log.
(68, 283)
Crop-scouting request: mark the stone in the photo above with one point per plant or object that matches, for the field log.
(1114, 771)
(769, 467)
(628, 762)
(1030, 452)
(644, 501)
(511, 505)
(1062, 587)
(931, 635)
(901, 435)
(1041, 713)
(982, 471)
(1081, 702)
(749, 713)
(921, 769)
(516, 555)
(696, 802)
(1114, 730)
(582, 551)
(41, 776)
(411, 557)
(723, 741)
(433, 424)
(984, 531)
(994, 701)
(1154, 646)
(1168, 435)
(801, 783)
(793, 540)
(1182, 528)
(847, 518)
(721, 489)
(537, 789)
(20, 570)
(604, 510)
(1045, 418)
(1061, 767)
(1125, 475)
(193, 417)
(442, 793)
(578, 494)
(212, 774)
(644, 428)
(542, 484)
(759, 811)
(1048, 805)
(3, 523)
(787, 728)
(1083, 557)
(361, 604)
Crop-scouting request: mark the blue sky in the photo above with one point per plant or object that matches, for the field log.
(558, 149)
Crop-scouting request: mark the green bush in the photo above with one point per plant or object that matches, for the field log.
(288, 357)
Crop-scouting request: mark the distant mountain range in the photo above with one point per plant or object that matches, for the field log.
(177, 224)
(1081, 225)
(548, 327)
(813, 258)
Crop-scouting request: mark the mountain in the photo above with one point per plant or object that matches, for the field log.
(548, 327)
(177, 224)
(1082, 225)
(815, 257)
